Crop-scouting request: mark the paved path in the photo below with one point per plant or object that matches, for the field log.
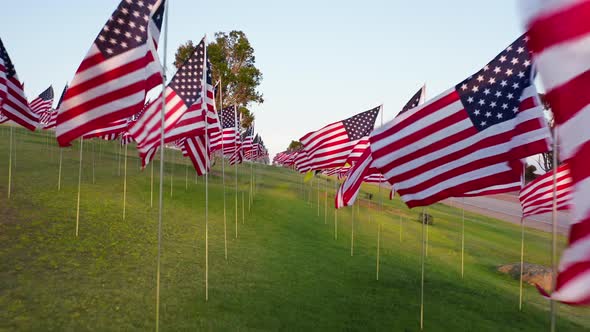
(507, 207)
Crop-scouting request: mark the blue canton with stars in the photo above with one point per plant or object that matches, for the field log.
(413, 102)
(187, 82)
(362, 124)
(228, 119)
(10, 71)
(47, 94)
(127, 28)
(492, 95)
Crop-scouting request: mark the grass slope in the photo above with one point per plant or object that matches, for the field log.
(285, 270)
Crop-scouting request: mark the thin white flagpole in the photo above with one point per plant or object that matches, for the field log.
(125, 184)
(61, 155)
(522, 231)
(204, 93)
(424, 220)
(79, 186)
(236, 167)
(223, 173)
(119, 160)
(94, 163)
(554, 231)
(462, 237)
(520, 290)
(336, 184)
(10, 161)
(352, 230)
(161, 192)
(243, 218)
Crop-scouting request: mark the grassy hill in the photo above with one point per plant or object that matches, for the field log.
(285, 270)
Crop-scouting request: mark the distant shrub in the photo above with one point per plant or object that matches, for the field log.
(426, 218)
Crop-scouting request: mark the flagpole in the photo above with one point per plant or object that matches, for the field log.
(236, 167)
(423, 259)
(10, 161)
(223, 173)
(94, 164)
(400, 228)
(522, 230)
(554, 231)
(79, 186)
(186, 177)
(243, 218)
(520, 290)
(204, 94)
(161, 192)
(125, 183)
(152, 186)
(119, 160)
(336, 184)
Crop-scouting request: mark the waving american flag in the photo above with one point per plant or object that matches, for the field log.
(118, 71)
(468, 138)
(13, 102)
(332, 145)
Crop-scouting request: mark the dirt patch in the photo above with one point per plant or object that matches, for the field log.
(534, 274)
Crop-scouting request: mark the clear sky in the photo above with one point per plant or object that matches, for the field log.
(322, 60)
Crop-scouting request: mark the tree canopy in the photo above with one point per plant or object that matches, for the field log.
(233, 61)
(294, 146)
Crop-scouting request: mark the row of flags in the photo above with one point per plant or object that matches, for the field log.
(107, 96)
(471, 140)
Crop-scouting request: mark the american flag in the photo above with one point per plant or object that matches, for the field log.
(13, 103)
(417, 99)
(198, 152)
(468, 138)
(559, 37)
(51, 121)
(126, 139)
(537, 197)
(181, 95)
(236, 157)
(42, 104)
(363, 170)
(302, 162)
(248, 143)
(331, 146)
(118, 71)
(350, 188)
(229, 136)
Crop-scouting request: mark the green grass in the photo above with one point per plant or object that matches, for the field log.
(285, 271)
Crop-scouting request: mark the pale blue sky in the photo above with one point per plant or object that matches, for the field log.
(322, 60)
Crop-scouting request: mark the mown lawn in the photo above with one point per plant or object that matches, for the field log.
(285, 270)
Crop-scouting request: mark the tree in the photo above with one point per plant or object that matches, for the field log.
(233, 61)
(247, 117)
(183, 53)
(294, 146)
